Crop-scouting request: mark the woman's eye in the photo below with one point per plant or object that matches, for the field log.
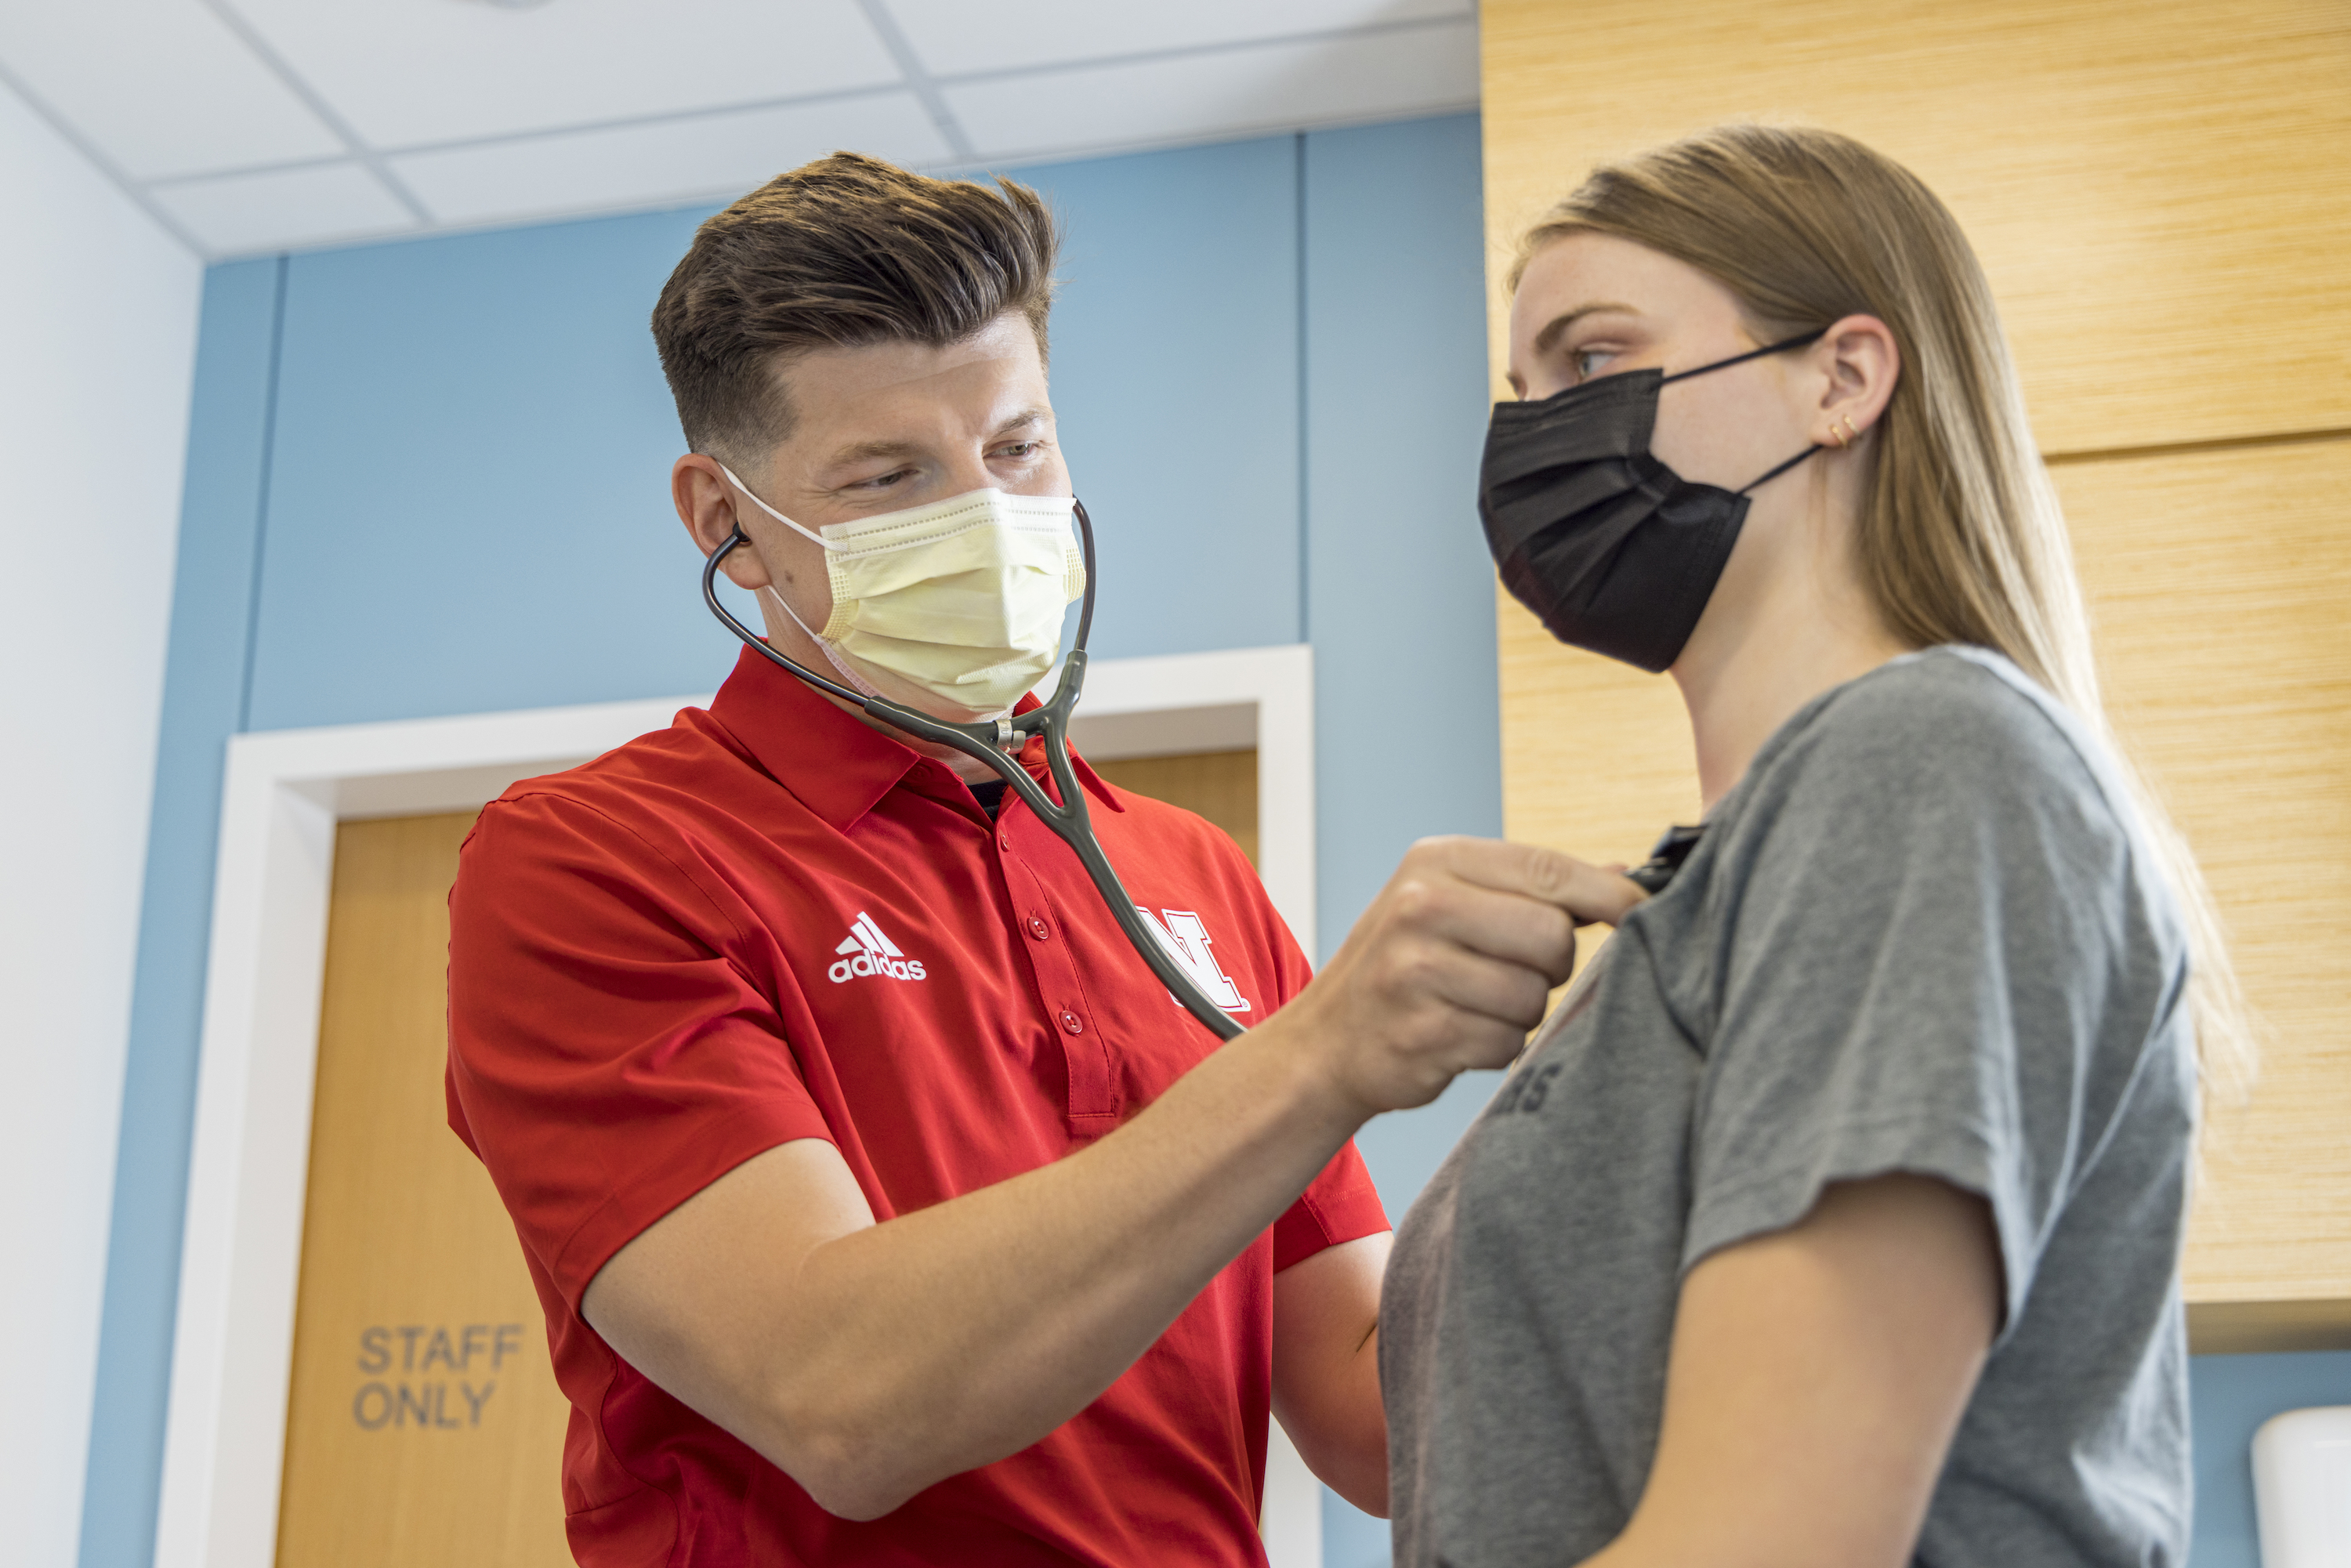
(1587, 362)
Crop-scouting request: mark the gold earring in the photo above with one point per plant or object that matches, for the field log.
(1838, 436)
(1847, 421)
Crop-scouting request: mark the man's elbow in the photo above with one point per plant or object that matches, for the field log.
(847, 1494)
(1361, 1478)
(847, 1462)
(1349, 1456)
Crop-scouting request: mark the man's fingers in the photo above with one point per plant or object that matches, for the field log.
(1509, 927)
(1507, 993)
(1588, 893)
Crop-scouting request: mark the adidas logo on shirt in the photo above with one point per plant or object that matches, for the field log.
(871, 953)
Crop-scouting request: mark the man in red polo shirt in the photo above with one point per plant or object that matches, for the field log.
(883, 1207)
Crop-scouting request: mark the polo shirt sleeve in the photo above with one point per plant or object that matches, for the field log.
(1341, 1205)
(607, 1061)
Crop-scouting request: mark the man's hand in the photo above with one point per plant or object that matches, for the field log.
(1450, 967)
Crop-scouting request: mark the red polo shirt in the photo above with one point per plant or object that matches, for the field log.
(770, 922)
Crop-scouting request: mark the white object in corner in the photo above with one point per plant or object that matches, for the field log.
(2302, 1488)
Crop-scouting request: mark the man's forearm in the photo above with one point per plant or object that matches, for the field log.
(955, 1335)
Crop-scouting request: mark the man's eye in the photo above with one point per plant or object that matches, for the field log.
(1019, 449)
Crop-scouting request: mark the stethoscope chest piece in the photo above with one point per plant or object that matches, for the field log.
(1666, 858)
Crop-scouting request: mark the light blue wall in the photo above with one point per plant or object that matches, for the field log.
(2232, 1395)
(1400, 596)
(469, 501)
(431, 478)
(1175, 382)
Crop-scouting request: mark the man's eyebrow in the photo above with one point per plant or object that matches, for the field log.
(1556, 327)
(872, 450)
(867, 451)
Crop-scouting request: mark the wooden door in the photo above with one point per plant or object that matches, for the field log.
(1218, 785)
(424, 1429)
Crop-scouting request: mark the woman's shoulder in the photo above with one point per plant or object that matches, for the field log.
(1948, 716)
(1946, 736)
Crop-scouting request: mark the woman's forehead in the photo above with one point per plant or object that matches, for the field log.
(1594, 274)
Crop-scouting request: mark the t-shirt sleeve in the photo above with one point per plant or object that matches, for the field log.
(606, 1058)
(1922, 909)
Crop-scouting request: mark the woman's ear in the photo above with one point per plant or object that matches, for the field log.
(705, 505)
(1863, 363)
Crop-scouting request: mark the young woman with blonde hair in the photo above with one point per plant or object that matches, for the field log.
(1834, 1217)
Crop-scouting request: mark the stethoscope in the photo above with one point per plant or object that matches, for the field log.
(998, 745)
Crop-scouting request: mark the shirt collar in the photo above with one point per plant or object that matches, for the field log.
(838, 765)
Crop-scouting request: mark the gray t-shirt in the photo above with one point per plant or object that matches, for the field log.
(1921, 934)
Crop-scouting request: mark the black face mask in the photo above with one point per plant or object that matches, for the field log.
(1611, 549)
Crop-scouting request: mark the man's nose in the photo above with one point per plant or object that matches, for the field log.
(969, 472)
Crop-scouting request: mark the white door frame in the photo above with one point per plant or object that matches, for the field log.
(241, 1250)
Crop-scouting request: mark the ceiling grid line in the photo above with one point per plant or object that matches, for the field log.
(1204, 51)
(134, 193)
(312, 99)
(297, 130)
(918, 80)
(965, 152)
(240, 170)
(552, 132)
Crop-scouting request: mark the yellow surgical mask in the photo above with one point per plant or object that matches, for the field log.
(954, 608)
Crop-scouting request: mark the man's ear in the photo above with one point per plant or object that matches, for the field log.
(1863, 363)
(705, 505)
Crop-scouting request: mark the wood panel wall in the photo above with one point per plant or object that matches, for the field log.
(2157, 194)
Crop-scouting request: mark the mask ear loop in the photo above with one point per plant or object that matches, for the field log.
(817, 540)
(1767, 349)
(1783, 468)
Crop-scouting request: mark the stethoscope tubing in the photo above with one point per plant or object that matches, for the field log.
(998, 745)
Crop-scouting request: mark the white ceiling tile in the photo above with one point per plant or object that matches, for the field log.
(718, 156)
(1199, 97)
(955, 37)
(406, 73)
(159, 86)
(239, 214)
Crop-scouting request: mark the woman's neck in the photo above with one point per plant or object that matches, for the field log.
(1759, 656)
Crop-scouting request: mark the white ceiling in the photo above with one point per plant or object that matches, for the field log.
(250, 126)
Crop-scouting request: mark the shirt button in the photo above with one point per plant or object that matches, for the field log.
(1005, 839)
(1038, 929)
(1072, 1023)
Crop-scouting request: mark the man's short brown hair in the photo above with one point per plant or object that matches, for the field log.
(844, 252)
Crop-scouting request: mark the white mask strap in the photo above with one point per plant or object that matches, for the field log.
(832, 655)
(817, 539)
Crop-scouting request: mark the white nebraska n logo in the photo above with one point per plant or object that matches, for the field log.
(1186, 941)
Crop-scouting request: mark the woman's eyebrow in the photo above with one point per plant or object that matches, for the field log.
(1556, 327)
